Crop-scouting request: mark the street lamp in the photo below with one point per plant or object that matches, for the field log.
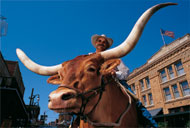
(3, 26)
(38, 99)
(32, 97)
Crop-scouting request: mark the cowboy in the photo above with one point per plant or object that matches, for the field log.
(102, 43)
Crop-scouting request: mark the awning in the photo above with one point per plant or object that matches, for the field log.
(155, 112)
(174, 114)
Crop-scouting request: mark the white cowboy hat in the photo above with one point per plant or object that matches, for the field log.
(95, 37)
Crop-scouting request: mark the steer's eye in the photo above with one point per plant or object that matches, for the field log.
(91, 69)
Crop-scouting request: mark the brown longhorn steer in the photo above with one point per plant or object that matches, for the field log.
(86, 87)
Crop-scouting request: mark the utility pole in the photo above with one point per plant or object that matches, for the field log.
(31, 97)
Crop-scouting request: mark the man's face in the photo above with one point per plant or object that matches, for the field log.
(101, 44)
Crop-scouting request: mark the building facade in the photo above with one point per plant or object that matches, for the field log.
(163, 83)
(13, 110)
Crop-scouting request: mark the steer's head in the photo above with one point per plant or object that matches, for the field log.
(77, 76)
(85, 72)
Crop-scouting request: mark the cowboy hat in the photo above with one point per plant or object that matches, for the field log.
(95, 37)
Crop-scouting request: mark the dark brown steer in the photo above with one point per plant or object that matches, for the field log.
(86, 87)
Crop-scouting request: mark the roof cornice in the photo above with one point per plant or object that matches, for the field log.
(168, 50)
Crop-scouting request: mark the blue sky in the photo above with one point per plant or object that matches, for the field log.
(53, 31)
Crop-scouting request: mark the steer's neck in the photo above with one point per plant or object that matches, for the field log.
(112, 104)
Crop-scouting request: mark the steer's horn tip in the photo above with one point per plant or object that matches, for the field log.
(18, 50)
(173, 3)
(20, 53)
(170, 3)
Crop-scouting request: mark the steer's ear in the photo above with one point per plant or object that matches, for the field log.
(55, 79)
(109, 65)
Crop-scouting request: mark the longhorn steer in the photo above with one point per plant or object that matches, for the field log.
(86, 87)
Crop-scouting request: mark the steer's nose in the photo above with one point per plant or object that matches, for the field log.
(58, 99)
(60, 96)
(67, 96)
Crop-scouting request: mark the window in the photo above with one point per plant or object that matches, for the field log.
(144, 100)
(142, 85)
(147, 82)
(185, 88)
(179, 68)
(170, 71)
(150, 98)
(167, 94)
(163, 76)
(175, 91)
(133, 88)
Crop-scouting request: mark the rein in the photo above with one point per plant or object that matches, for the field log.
(99, 90)
(119, 120)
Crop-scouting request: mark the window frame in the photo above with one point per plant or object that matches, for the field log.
(179, 68)
(171, 72)
(147, 82)
(144, 100)
(183, 91)
(175, 90)
(133, 88)
(164, 75)
(142, 83)
(166, 95)
(151, 102)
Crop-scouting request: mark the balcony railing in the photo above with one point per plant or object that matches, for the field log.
(12, 82)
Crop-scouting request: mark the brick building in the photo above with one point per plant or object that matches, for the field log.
(163, 83)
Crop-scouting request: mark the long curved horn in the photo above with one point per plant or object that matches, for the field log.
(41, 70)
(130, 42)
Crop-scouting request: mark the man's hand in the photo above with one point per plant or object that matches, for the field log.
(113, 73)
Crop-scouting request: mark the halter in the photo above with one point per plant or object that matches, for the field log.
(85, 100)
(95, 91)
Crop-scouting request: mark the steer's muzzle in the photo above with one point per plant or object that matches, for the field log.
(61, 99)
